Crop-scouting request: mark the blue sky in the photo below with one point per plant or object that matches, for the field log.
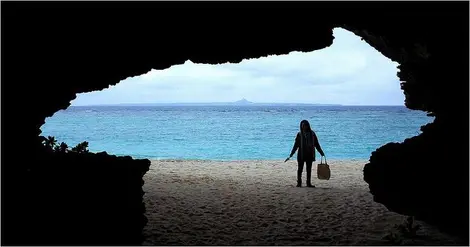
(349, 72)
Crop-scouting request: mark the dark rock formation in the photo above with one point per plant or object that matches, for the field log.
(76, 199)
(426, 176)
(53, 51)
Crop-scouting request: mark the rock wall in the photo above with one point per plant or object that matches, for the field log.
(427, 175)
(53, 51)
(76, 199)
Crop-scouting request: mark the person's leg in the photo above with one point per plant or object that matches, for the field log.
(309, 173)
(300, 168)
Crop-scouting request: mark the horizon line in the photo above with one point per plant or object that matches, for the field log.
(238, 104)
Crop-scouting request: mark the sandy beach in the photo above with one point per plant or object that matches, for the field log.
(257, 203)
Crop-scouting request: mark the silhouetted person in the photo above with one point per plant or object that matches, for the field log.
(306, 141)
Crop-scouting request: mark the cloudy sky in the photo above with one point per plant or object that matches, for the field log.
(349, 72)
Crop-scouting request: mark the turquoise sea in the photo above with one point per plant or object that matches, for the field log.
(231, 132)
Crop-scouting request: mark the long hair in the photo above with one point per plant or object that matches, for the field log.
(307, 124)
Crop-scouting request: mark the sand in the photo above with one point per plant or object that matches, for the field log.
(257, 203)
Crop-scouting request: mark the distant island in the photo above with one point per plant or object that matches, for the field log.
(242, 102)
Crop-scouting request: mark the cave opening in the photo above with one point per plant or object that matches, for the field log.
(246, 115)
(185, 111)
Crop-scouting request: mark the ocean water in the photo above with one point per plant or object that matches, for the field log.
(231, 132)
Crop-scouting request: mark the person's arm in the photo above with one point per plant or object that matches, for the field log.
(317, 144)
(296, 145)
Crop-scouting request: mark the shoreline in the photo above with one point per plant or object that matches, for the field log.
(293, 159)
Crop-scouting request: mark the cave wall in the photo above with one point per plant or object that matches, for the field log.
(51, 52)
(426, 176)
(77, 199)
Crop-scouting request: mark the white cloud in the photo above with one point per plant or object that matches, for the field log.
(348, 72)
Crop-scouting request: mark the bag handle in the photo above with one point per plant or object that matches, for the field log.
(321, 160)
